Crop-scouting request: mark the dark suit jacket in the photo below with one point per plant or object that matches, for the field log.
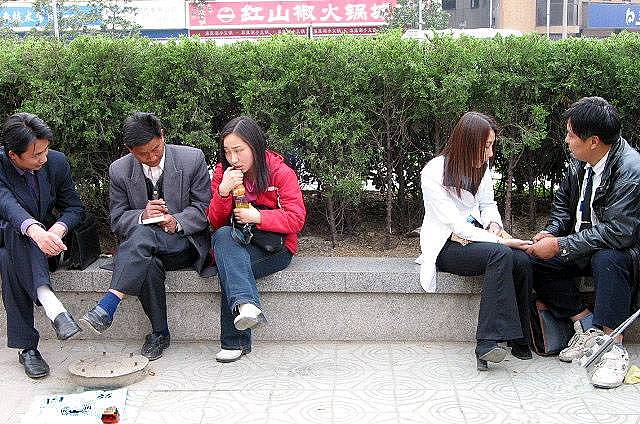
(187, 191)
(59, 201)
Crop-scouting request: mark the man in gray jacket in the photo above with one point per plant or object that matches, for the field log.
(594, 221)
(158, 197)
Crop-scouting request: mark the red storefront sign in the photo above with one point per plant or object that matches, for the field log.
(266, 32)
(263, 13)
(247, 32)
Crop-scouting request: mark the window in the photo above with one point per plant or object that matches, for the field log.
(475, 4)
(555, 12)
(449, 4)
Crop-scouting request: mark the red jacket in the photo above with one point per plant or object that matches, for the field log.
(287, 218)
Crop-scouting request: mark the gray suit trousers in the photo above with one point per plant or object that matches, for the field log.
(140, 265)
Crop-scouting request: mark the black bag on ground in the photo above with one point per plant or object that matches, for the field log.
(83, 245)
(549, 335)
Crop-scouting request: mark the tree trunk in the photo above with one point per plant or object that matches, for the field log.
(331, 217)
(436, 136)
(403, 212)
(508, 220)
(532, 200)
(389, 196)
(389, 182)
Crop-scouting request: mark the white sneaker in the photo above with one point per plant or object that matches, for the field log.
(228, 355)
(249, 316)
(579, 343)
(610, 371)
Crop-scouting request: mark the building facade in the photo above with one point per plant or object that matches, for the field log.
(228, 20)
(596, 18)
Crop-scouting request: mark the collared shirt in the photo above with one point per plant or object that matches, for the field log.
(30, 221)
(598, 168)
(154, 172)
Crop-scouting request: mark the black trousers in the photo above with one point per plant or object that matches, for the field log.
(140, 265)
(506, 289)
(612, 272)
(19, 293)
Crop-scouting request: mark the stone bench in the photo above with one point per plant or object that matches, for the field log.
(316, 298)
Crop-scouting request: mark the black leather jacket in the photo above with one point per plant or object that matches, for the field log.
(616, 204)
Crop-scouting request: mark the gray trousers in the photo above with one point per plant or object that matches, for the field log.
(140, 265)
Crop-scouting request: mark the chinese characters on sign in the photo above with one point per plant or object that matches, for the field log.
(266, 32)
(297, 12)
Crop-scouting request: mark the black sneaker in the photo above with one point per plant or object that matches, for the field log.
(154, 344)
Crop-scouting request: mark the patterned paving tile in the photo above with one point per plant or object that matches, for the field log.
(425, 374)
(437, 406)
(336, 382)
(240, 418)
(301, 407)
(173, 407)
(370, 401)
(490, 407)
(348, 377)
(230, 403)
(390, 418)
(626, 400)
(568, 405)
(616, 419)
(182, 417)
(369, 356)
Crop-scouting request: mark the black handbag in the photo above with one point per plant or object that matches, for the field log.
(268, 240)
(83, 245)
(246, 234)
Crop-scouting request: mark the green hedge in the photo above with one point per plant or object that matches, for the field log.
(346, 110)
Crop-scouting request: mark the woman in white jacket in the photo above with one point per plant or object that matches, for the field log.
(462, 234)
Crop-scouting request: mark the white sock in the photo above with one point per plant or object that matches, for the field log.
(52, 306)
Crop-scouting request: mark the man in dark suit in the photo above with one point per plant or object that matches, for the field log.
(38, 206)
(157, 199)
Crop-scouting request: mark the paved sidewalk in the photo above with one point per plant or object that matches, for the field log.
(335, 382)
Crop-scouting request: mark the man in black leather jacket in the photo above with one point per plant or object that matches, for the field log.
(594, 219)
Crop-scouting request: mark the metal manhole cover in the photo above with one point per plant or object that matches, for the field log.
(109, 370)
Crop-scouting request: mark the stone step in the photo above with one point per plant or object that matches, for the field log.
(316, 298)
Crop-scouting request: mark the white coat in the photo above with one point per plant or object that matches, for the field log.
(445, 213)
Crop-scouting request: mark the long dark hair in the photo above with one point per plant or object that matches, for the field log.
(465, 150)
(251, 133)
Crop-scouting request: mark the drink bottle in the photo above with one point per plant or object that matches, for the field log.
(239, 197)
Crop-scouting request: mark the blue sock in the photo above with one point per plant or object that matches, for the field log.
(110, 303)
(587, 322)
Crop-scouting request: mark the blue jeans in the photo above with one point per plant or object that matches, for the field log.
(612, 272)
(238, 268)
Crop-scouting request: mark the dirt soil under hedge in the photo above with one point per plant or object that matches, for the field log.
(369, 241)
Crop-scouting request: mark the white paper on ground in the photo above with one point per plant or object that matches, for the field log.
(76, 408)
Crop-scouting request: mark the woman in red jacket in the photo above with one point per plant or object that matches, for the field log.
(275, 205)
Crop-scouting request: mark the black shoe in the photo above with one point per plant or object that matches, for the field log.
(488, 351)
(97, 319)
(154, 344)
(34, 365)
(520, 349)
(65, 326)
